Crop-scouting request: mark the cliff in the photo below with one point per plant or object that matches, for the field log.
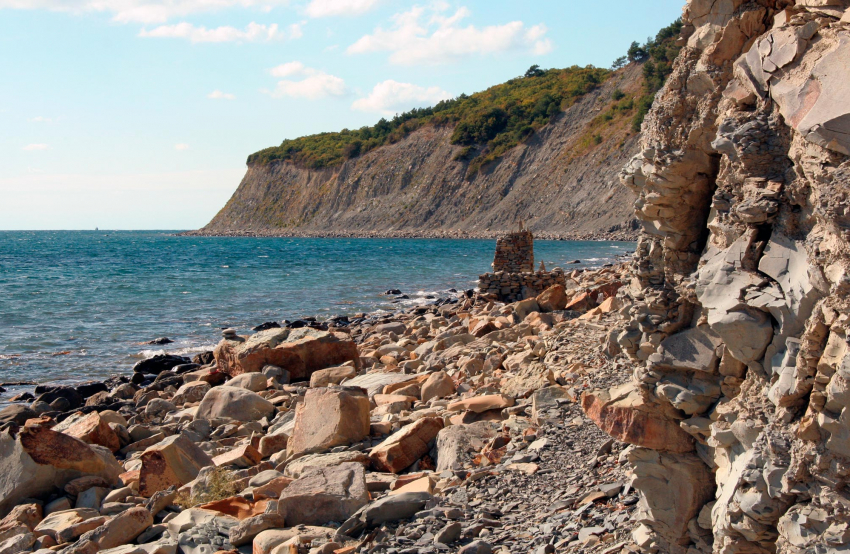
(738, 309)
(562, 181)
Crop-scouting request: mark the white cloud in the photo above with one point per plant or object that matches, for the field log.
(253, 32)
(142, 11)
(181, 146)
(391, 97)
(218, 95)
(291, 68)
(314, 84)
(41, 119)
(34, 147)
(423, 35)
(327, 8)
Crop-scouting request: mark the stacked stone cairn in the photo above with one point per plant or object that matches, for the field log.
(513, 276)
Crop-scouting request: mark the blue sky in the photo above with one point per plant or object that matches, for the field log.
(139, 114)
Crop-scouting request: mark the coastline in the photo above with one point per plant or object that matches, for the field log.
(464, 394)
(618, 236)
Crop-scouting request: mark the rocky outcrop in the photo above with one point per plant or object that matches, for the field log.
(738, 309)
(419, 185)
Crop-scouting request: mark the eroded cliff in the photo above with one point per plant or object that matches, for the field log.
(562, 181)
(738, 308)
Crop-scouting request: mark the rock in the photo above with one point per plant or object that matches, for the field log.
(41, 459)
(94, 429)
(374, 383)
(325, 495)
(51, 394)
(29, 515)
(298, 467)
(525, 307)
(449, 534)
(92, 498)
(329, 417)
(553, 299)
(62, 526)
(242, 456)
(272, 489)
(298, 351)
(234, 403)
(18, 543)
(547, 399)
(174, 461)
(479, 404)
(458, 444)
(255, 382)
(438, 385)
(401, 449)
(476, 547)
(17, 413)
(121, 529)
(624, 413)
(159, 363)
(675, 488)
(237, 507)
(267, 541)
(332, 376)
(159, 408)
(692, 350)
(249, 528)
(193, 391)
(395, 508)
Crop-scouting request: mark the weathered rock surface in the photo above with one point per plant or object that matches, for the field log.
(404, 447)
(738, 310)
(174, 461)
(234, 403)
(325, 495)
(329, 417)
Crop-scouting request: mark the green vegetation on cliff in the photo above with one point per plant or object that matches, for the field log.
(489, 123)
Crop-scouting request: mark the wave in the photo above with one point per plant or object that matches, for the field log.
(151, 352)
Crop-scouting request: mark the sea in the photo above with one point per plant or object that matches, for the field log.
(81, 305)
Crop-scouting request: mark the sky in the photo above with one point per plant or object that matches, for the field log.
(139, 114)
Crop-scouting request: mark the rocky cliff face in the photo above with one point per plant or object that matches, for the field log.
(738, 307)
(560, 182)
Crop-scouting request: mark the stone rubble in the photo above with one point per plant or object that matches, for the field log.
(429, 439)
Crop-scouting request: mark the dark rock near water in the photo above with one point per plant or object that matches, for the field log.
(266, 325)
(159, 363)
(50, 394)
(204, 358)
(161, 340)
(91, 388)
(392, 291)
(17, 414)
(23, 397)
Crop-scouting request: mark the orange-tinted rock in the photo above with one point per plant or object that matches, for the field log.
(438, 385)
(553, 299)
(173, 461)
(479, 404)
(580, 303)
(61, 451)
(236, 506)
(272, 489)
(243, 456)
(299, 351)
(625, 414)
(401, 449)
(329, 417)
(93, 429)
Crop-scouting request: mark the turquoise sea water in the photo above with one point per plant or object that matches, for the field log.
(75, 305)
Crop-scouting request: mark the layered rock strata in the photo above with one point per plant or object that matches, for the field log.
(738, 309)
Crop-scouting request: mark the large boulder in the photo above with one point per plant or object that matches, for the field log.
(625, 414)
(325, 495)
(234, 403)
(39, 460)
(438, 385)
(298, 351)
(94, 429)
(332, 376)
(553, 299)
(401, 449)
(458, 444)
(328, 417)
(172, 462)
